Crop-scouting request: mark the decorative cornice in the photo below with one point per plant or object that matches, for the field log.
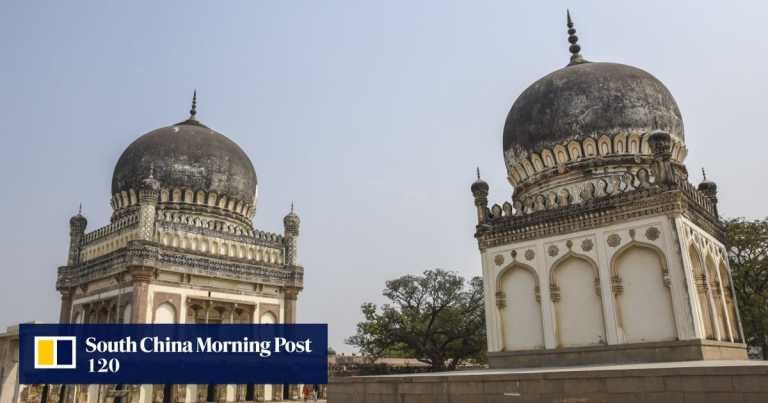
(148, 254)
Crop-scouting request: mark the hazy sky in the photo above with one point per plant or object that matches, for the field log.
(370, 115)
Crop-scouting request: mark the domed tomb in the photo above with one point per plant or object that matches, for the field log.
(587, 110)
(194, 166)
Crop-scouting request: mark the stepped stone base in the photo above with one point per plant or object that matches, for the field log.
(667, 351)
(690, 381)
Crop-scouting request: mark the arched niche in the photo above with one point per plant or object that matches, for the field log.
(725, 279)
(641, 288)
(165, 313)
(519, 308)
(575, 292)
(702, 292)
(719, 307)
(268, 318)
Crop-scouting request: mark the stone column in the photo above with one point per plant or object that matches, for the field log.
(65, 314)
(141, 276)
(291, 295)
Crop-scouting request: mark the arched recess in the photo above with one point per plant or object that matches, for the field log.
(165, 313)
(519, 305)
(574, 283)
(641, 288)
(725, 280)
(268, 318)
(717, 298)
(702, 292)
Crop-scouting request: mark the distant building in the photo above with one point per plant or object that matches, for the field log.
(9, 365)
(606, 252)
(180, 248)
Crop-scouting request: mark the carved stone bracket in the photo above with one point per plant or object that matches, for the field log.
(666, 278)
(501, 299)
(616, 285)
(554, 293)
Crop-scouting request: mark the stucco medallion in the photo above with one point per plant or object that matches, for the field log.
(499, 260)
(613, 240)
(530, 254)
(652, 233)
(586, 245)
(553, 250)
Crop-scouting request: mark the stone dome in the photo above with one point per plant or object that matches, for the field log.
(187, 155)
(586, 99)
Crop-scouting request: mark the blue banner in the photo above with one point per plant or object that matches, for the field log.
(173, 354)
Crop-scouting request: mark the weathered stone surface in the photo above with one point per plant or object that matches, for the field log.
(715, 381)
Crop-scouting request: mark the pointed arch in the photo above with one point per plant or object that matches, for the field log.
(518, 302)
(641, 288)
(574, 282)
(718, 303)
(730, 304)
(701, 281)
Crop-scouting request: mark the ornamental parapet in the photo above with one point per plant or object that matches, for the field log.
(597, 202)
(171, 222)
(116, 226)
(148, 254)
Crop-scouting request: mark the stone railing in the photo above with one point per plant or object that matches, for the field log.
(114, 227)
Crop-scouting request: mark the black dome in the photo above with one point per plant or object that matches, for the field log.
(187, 155)
(589, 99)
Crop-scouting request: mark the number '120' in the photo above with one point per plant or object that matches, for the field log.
(103, 365)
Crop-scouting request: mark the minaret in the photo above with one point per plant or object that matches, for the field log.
(291, 233)
(148, 196)
(291, 237)
(77, 226)
(709, 188)
(479, 190)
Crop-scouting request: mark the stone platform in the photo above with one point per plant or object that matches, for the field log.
(675, 382)
(665, 351)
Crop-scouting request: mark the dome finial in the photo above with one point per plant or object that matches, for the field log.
(193, 111)
(573, 40)
(478, 173)
(80, 209)
(291, 206)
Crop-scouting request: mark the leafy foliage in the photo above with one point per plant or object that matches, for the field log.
(747, 248)
(433, 318)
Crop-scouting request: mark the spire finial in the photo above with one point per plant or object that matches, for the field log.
(193, 111)
(291, 206)
(703, 173)
(573, 40)
(478, 173)
(80, 209)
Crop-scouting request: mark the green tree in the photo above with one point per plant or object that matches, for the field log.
(747, 247)
(434, 318)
